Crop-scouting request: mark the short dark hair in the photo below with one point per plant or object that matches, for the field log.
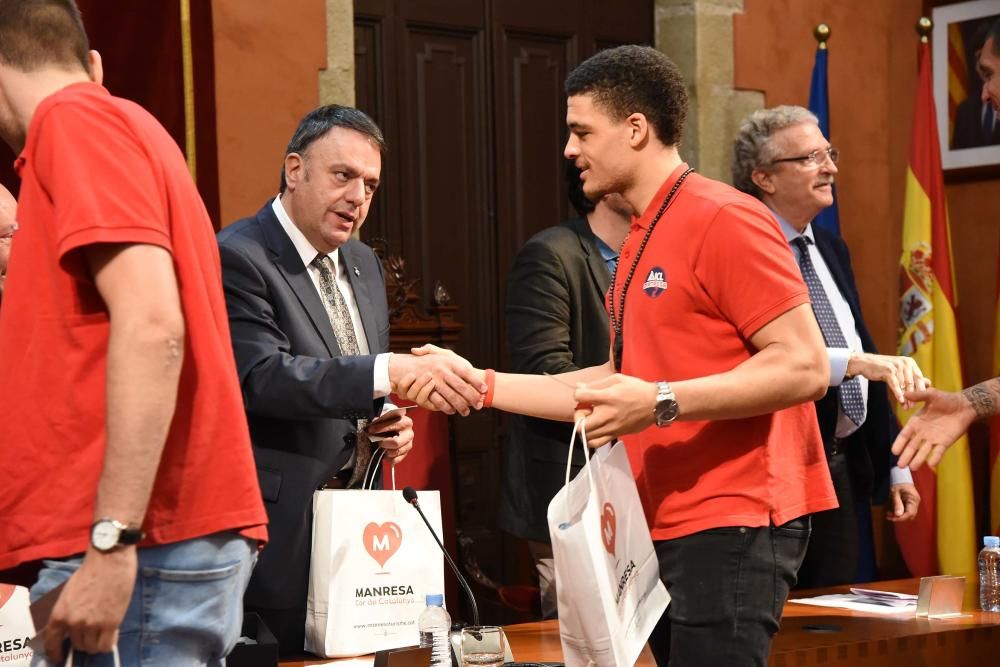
(37, 33)
(574, 190)
(994, 32)
(321, 120)
(629, 79)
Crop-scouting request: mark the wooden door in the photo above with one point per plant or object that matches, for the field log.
(470, 96)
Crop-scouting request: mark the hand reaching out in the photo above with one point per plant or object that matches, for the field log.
(929, 433)
(900, 374)
(437, 379)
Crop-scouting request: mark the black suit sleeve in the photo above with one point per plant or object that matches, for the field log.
(275, 382)
(538, 312)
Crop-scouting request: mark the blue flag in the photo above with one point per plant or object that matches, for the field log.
(819, 104)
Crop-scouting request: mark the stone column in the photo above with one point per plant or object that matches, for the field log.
(336, 82)
(698, 36)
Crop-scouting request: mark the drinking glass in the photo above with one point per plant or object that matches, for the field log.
(483, 646)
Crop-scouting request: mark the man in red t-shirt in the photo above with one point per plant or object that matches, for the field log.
(126, 455)
(719, 356)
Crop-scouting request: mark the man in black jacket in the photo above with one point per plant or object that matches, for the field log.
(556, 322)
(782, 158)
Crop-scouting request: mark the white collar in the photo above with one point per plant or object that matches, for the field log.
(307, 253)
(791, 233)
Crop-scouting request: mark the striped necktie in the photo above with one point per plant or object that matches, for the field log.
(851, 400)
(347, 340)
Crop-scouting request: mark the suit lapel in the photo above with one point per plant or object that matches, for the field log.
(289, 264)
(595, 263)
(359, 284)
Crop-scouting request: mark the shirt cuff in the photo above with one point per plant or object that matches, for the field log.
(839, 356)
(899, 475)
(382, 388)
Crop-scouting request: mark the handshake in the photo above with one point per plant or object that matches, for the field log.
(438, 379)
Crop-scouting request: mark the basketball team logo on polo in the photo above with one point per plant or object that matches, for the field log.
(655, 283)
(382, 541)
(608, 527)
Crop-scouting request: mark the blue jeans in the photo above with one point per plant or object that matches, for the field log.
(728, 588)
(187, 606)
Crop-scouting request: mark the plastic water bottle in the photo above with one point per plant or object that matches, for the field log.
(989, 574)
(435, 626)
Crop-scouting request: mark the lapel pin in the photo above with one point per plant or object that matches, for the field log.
(357, 271)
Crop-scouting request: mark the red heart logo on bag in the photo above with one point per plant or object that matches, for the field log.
(381, 542)
(6, 593)
(608, 526)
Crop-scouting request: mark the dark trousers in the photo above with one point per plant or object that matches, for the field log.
(832, 556)
(288, 627)
(728, 587)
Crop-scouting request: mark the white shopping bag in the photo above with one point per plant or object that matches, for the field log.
(608, 584)
(16, 627)
(373, 563)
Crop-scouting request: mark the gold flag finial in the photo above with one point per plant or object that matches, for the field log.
(924, 27)
(822, 34)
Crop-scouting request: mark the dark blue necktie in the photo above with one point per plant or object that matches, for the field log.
(851, 400)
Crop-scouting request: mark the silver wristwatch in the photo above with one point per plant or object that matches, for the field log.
(666, 409)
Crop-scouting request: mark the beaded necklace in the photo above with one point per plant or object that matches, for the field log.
(617, 320)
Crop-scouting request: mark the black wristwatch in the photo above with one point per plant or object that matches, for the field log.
(107, 534)
(666, 408)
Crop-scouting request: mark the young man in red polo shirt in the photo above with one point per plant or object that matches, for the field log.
(125, 451)
(719, 359)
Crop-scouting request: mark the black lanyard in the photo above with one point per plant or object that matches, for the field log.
(619, 320)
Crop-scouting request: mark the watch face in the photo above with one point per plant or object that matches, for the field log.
(666, 411)
(104, 535)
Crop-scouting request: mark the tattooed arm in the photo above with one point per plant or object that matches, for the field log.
(984, 398)
(943, 419)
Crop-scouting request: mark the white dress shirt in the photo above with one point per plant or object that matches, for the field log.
(308, 253)
(839, 356)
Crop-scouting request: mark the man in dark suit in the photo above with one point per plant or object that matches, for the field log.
(782, 157)
(310, 330)
(556, 322)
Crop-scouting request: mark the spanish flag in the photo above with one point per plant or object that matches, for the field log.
(958, 73)
(942, 539)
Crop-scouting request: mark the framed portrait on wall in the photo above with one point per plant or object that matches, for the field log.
(969, 127)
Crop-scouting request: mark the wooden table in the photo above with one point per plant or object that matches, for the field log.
(884, 641)
(846, 637)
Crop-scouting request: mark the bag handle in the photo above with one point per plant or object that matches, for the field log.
(69, 657)
(582, 428)
(371, 472)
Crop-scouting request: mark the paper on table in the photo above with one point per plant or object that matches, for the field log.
(861, 603)
(884, 595)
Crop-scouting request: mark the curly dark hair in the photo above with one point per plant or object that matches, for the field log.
(632, 78)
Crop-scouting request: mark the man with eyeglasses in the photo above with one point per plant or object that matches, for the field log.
(8, 225)
(782, 158)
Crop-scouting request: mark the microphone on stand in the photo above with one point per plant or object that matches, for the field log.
(411, 497)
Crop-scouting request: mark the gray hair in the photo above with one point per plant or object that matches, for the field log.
(752, 148)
